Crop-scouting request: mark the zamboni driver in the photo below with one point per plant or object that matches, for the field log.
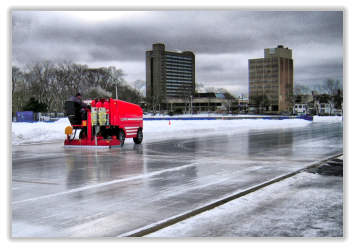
(85, 108)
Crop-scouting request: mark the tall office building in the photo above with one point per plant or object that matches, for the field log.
(169, 74)
(272, 77)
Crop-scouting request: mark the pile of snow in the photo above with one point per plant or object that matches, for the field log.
(192, 126)
(327, 119)
(39, 132)
(48, 132)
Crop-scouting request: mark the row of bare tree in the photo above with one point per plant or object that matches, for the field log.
(52, 84)
(333, 89)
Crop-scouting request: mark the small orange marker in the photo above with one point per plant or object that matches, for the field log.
(169, 122)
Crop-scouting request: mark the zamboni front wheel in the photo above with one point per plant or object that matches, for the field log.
(139, 137)
(82, 134)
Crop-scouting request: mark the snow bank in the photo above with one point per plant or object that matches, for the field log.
(192, 126)
(43, 132)
(39, 132)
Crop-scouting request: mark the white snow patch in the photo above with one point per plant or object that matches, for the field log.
(328, 119)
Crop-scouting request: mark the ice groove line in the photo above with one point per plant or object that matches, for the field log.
(108, 183)
(165, 193)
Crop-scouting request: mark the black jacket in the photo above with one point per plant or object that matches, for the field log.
(78, 100)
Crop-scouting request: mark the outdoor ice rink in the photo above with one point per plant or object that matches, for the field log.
(67, 192)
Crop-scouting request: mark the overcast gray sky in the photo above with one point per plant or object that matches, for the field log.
(222, 41)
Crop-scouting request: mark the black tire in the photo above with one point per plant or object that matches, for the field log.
(82, 133)
(121, 136)
(139, 137)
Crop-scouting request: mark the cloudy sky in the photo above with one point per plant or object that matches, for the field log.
(222, 41)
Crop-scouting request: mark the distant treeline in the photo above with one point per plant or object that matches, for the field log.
(50, 85)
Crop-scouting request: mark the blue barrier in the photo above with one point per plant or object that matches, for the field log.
(24, 116)
(306, 117)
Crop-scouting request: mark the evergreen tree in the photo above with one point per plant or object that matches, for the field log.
(35, 106)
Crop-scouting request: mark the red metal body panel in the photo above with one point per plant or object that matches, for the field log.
(89, 128)
(127, 116)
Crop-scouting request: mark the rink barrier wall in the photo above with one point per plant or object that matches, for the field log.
(308, 118)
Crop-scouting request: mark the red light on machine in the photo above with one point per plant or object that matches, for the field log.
(98, 105)
(106, 105)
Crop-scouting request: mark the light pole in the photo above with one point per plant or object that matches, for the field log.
(116, 91)
(239, 104)
(191, 104)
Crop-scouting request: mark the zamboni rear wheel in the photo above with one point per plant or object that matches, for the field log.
(139, 137)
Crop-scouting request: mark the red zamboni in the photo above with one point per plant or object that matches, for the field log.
(108, 124)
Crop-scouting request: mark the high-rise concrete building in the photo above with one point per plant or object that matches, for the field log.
(272, 77)
(169, 75)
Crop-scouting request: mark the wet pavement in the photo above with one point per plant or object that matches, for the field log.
(333, 167)
(70, 192)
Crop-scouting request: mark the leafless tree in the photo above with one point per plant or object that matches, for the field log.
(331, 86)
(185, 95)
(260, 101)
(210, 89)
(228, 100)
(154, 101)
(301, 89)
(139, 86)
(54, 84)
(19, 90)
(292, 94)
(199, 88)
(16, 77)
